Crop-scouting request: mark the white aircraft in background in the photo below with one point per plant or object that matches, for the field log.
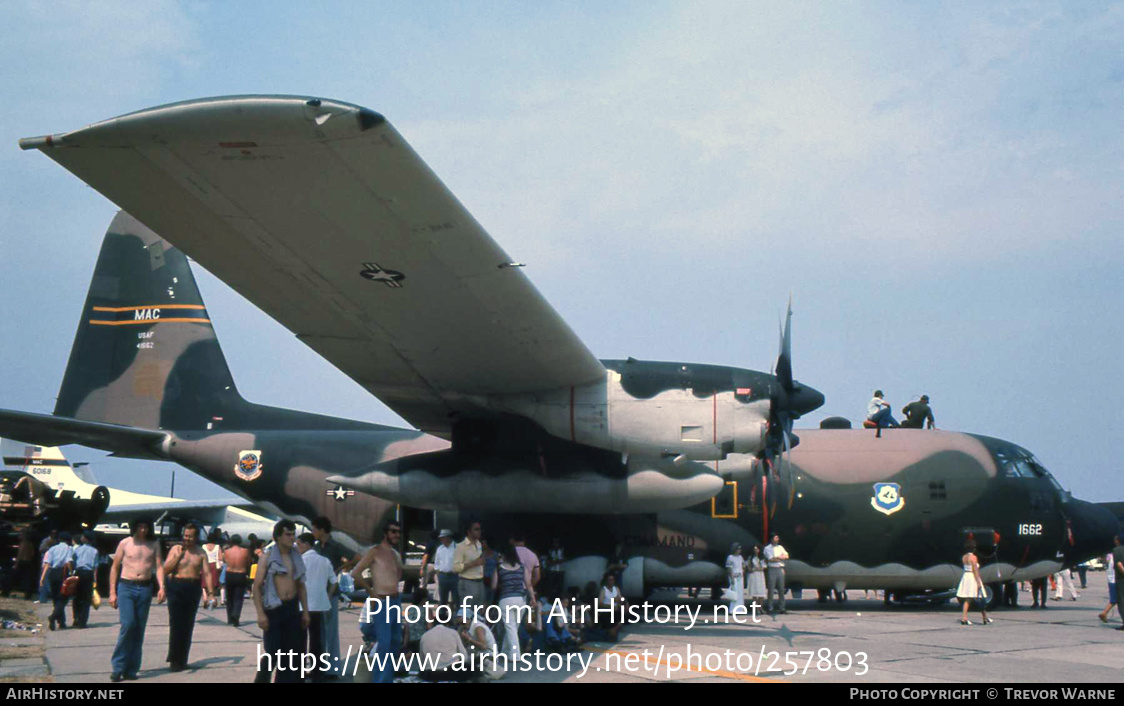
(48, 465)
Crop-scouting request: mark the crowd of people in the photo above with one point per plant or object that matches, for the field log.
(300, 583)
(758, 576)
(468, 577)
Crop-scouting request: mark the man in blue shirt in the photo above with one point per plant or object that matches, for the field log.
(85, 558)
(56, 564)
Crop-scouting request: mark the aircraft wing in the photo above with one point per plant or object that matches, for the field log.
(49, 430)
(323, 216)
(206, 511)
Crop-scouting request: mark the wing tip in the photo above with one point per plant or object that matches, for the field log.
(38, 143)
(369, 119)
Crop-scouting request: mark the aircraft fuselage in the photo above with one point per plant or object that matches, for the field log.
(852, 510)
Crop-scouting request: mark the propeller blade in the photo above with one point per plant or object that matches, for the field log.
(784, 358)
(786, 341)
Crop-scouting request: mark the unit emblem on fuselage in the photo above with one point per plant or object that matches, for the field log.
(887, 498)
(249, 465)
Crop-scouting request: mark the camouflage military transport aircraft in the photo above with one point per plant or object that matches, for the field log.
(322, 215)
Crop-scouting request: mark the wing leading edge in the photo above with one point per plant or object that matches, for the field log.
(322, 215)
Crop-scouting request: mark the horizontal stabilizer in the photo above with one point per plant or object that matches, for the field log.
(49, 430)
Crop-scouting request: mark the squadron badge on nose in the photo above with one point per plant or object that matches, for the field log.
(887, 498)
(249, 465)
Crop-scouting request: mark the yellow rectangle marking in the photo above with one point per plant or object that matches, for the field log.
(714, 504)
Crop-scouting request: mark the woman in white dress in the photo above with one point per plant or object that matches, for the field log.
(756, 576)
(735, 569)
(971, 586)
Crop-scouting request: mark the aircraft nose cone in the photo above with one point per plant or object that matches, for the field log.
(804, 399)
(1093, 528)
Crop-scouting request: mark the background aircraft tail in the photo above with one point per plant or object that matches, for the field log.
(48, 465)
(145, 354)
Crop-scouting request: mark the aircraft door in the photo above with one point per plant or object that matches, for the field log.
(987, 542)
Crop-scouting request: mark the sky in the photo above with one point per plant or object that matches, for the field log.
(938, 186)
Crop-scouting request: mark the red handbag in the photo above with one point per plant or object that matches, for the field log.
(69, 586)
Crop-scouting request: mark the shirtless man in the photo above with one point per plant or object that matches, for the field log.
(186, 569)
(384, 628)
(282, 603)
(238, 560)
(130, 591)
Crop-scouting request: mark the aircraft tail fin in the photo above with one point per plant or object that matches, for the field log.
(146, 359)
(145, 354)
(46, 464)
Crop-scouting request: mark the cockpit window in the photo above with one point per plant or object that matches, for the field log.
(1013, 462)
(1041, 472)
(1016, 462)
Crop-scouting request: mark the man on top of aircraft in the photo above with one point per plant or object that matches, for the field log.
(879, 412)
(917, 413)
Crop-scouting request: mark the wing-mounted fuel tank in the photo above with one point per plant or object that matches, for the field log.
(547, 482)
(699, 412)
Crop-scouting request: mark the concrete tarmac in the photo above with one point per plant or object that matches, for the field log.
(1065, 643)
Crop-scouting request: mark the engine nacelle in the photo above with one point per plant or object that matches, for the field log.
(698, 424)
